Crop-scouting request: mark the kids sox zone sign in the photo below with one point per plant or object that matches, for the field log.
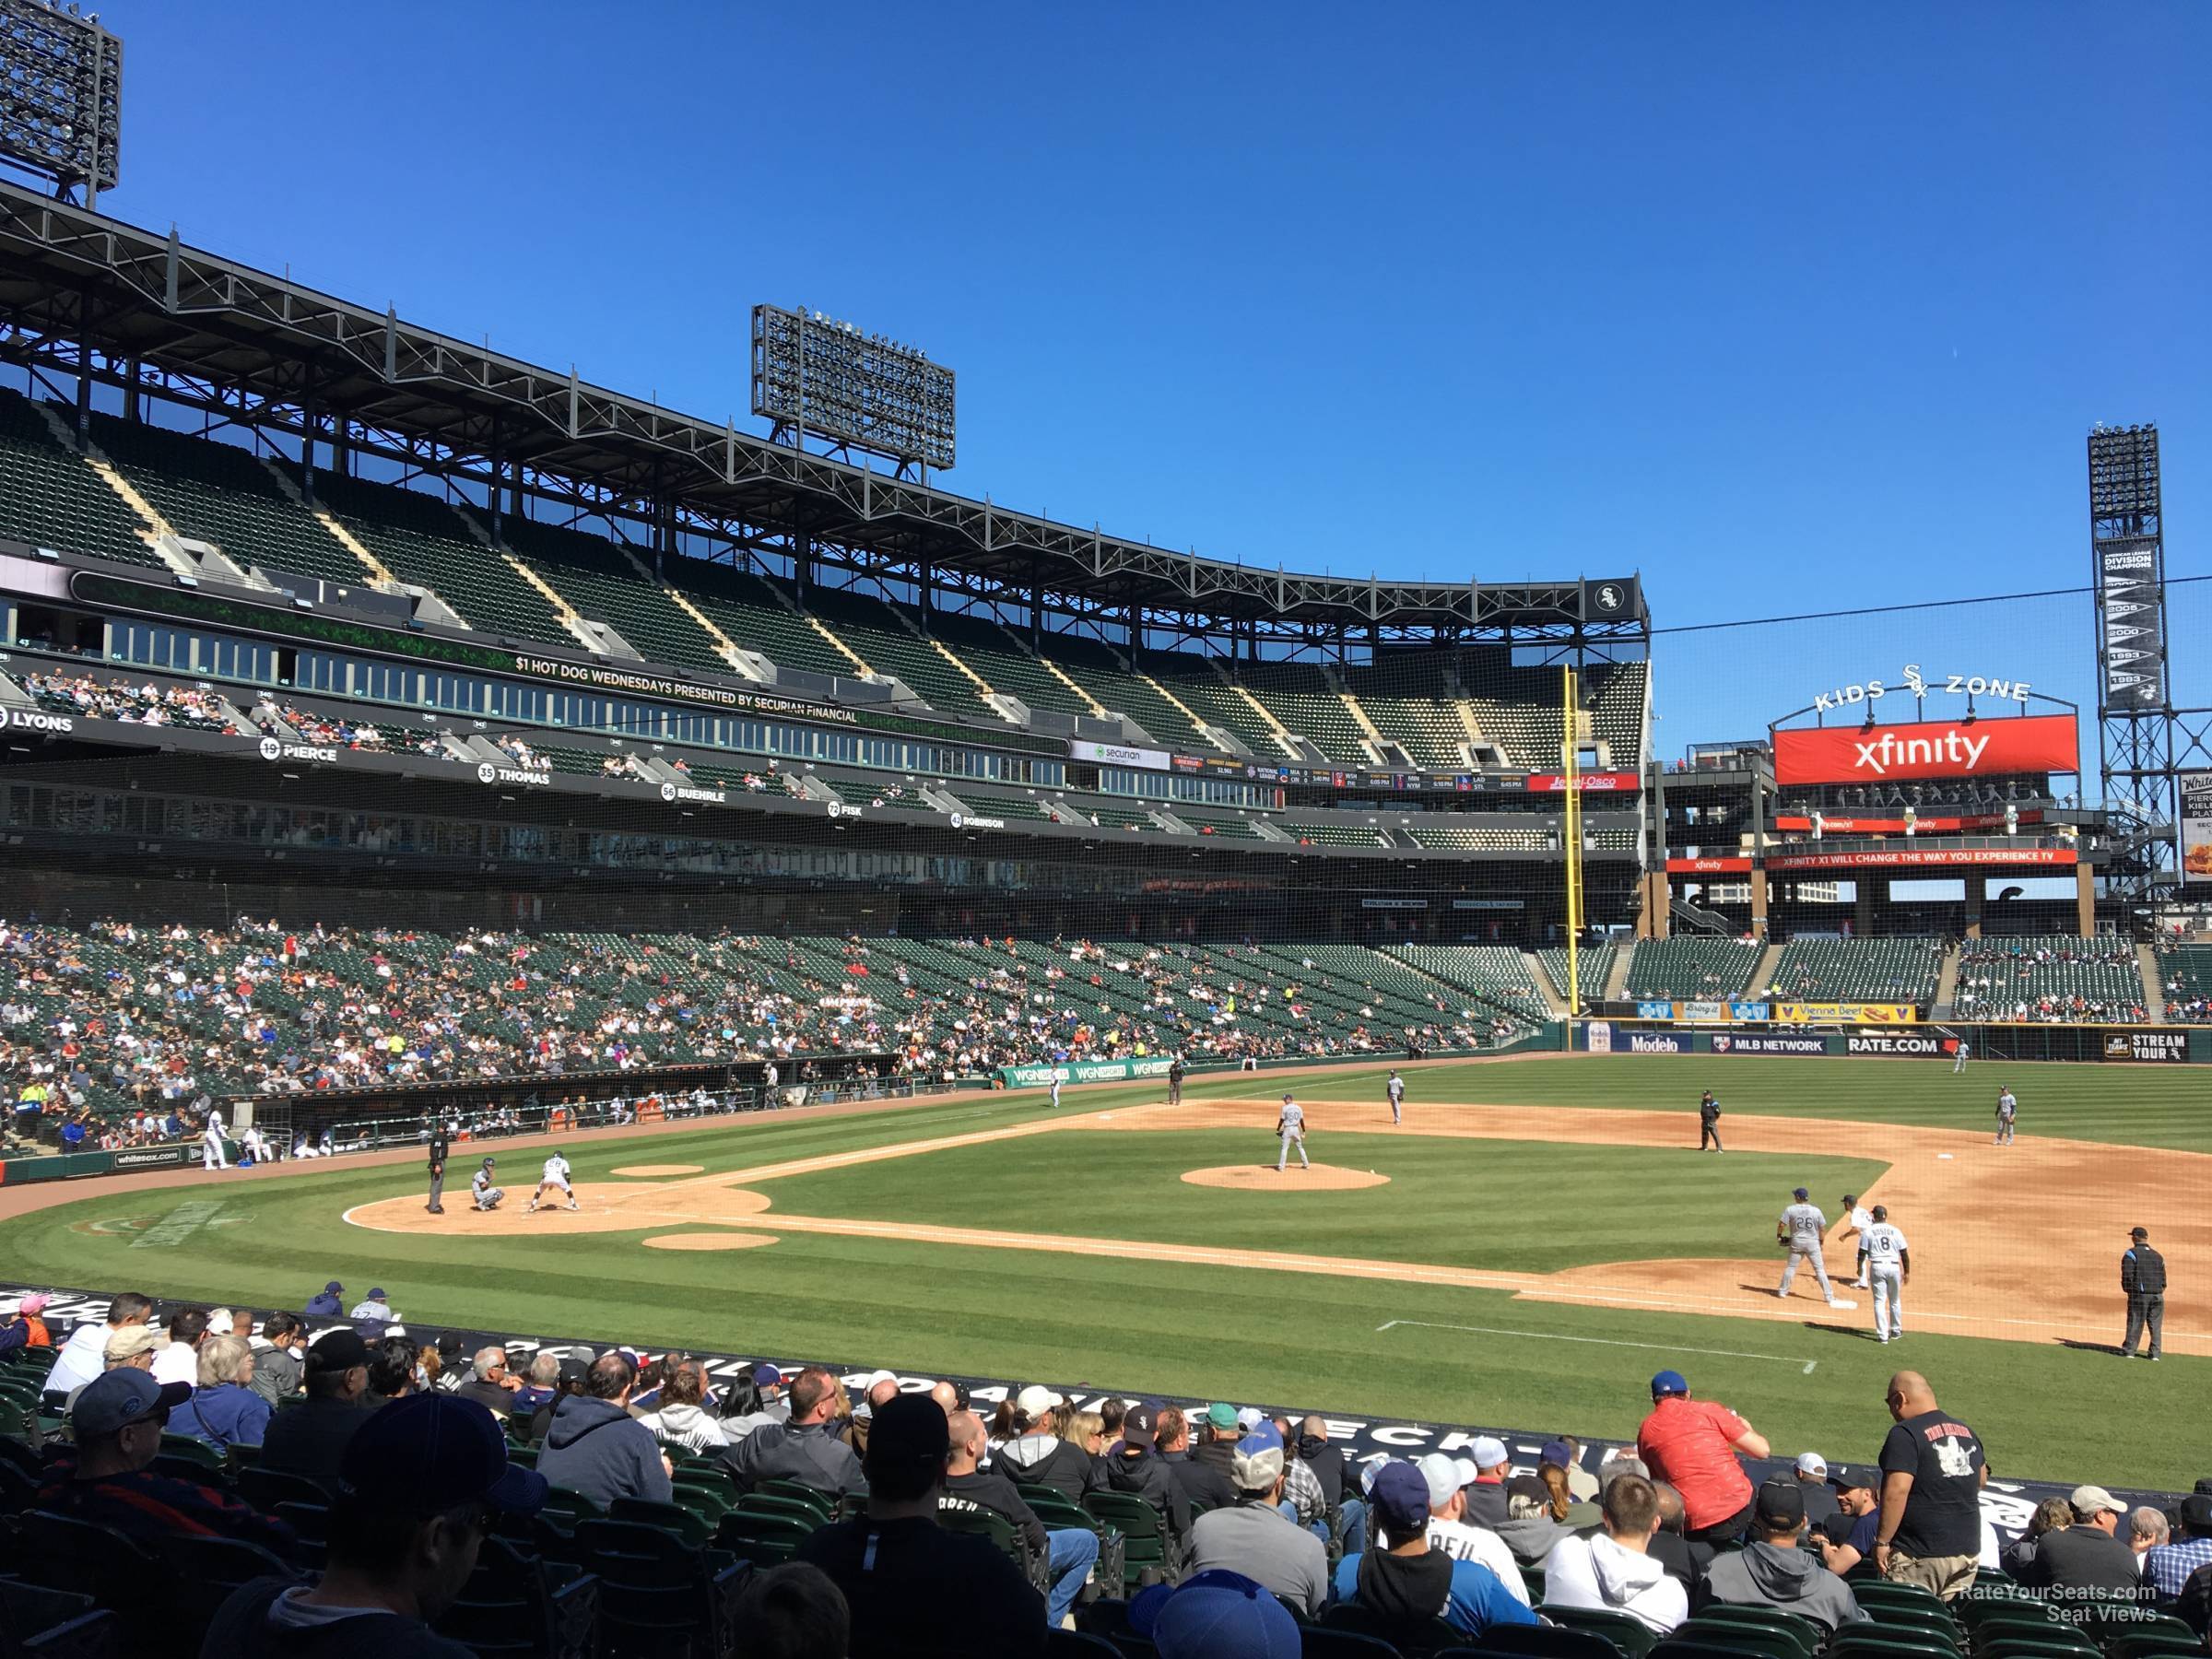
(1968, 746)
(1912, 683)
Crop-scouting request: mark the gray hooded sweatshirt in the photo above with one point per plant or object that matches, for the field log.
(1772, 1576)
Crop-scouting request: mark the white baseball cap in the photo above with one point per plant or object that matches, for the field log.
(1035, 1400)
(1813, 1463)
(1488, 1452)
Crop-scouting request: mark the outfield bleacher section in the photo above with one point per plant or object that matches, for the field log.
(1691, 969)
(2049, 981)
(601, 584)
(1891, 970)
(2186, 970)
(1594, 967)
(50, 498)
(1497, 973)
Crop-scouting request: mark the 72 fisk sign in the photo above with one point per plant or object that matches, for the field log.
(1935, 749)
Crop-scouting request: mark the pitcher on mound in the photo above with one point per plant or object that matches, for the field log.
(1291, 1126)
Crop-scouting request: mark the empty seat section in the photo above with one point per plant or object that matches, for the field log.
(1408, 696)
(1901, 970)
(1691, 968)
(880, 635)
(753, 615)
(215, 491)
(1218, 703)
(421, 539)
(1099, 669)
(601, 584)
(1481, 841)
(1004, 665)
(1593, 968)
(1498, 972)
(51, 498)
(1027, 809)
(1333, 835)
(1233, 826)
(1299, 696)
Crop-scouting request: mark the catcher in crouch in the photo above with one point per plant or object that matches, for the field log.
(554, 1176)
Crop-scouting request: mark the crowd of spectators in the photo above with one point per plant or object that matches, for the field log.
(337, 732)
(2048, 982)
(964, 1525)
(90, 697)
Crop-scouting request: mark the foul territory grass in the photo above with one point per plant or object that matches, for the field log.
(1296, 1340)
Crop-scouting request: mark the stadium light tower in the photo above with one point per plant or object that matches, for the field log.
(815, 376)
(61, 96)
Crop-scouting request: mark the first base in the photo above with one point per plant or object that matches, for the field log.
(1842, 1302)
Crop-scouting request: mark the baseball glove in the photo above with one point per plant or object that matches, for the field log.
(1279, 1126)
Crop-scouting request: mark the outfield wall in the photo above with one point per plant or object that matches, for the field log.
(2149, 1045)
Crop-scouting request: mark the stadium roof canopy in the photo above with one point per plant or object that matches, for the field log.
(83, 293)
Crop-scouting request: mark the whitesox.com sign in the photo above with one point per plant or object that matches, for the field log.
(1939, 749)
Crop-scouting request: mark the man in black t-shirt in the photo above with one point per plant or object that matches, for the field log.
(910, 1585)
(1929, 1530)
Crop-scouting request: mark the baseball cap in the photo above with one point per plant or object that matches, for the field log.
(909, 1430)
(1487, 1452)
(1140, 1424)
(2095, 1500)
(1669, 1382)
(1400, 1496)
(1035, 1400)
(1251, 1417)
(2138, 1233)
(1555, 1451)
(116, 1399)
(334, 1286)
(490, 1161)
(766, 1376)
(338, 1350)
(1443, 1477)
(1812, 1462)
(1780, 1503)
(1221, 1416)
(33, 1303)
(1215, 1615)
(1852, 1478)
(423, 1454)
(1256, 1461)
(130, 1341)
(1799, 1193)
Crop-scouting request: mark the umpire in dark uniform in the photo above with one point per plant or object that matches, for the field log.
(1709, 1123)
(437, 1149)
(2142, 1277)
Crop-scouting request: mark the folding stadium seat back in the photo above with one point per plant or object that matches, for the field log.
(1876, 1642)
(766, 1540)
(1430, 1637)
(1742, 1637)
(1919, 1624)
(991, 1524)
(1539, 1641)
(657, 1594)
(65, 1553)
(671, 1518)
(1330, 1641)
(265, 1488)
(208, 1570)
(311, 1531)
(1624, 1631)
(822, 1502)
(1800, 1630)
(2154, 1637)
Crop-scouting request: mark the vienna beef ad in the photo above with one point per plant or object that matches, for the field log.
(1939, 749)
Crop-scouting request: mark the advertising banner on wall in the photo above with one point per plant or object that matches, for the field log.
(1083, 1071)
(2196, 827)
(1708, 866)
(1911, 1046)
(1845, 1013)
(1921, 858)
(1117, 754)
(2169, 1048)
(1586, 783)
(1936, 748)
(1744, 1042)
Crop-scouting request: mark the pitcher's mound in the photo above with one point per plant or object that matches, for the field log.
(661, 1170)
(1261, 1178)
(714, 1241)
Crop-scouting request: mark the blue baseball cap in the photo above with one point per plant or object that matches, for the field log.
(423, 1454)
(1215, 1615)
(1400, 1495)
(1669, 1382)
(1799, 1193)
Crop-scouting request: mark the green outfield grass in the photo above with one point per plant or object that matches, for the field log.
(1298, 1340)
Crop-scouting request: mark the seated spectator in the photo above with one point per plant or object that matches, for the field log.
(1134, 1466)
(1820, 1505)
(489, 1385)
(1202, 1484)
(1033, 1455)
(276, 1357)
(1849, 1539)
(1254, 1537)
(179, 1360)
(1486, 1492)
(1216, 1615)
(24, 1327)
(2052, 1514)
(1069, 1552)
(421, 1486)
(1773, 1571)
(792, 1612)
(910, 1585)
(1566, 1452)
(2147, 1529)
(2085, 1556)
(394, 1369)
(224, 1411)
(1531, 1526)
(1404, 1585)
(1615, 1571)
(117, 1420)
(311, 1439)
(1449, 1532)
(804, 1448)
(2167, 1567)
(881, 1388)
(1339, 1494)
(681, 1415)
(539, 1389)
(595, 1447)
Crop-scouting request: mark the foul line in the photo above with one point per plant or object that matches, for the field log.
(1664, 1348)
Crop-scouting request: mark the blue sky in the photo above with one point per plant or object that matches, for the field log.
(1787, 307)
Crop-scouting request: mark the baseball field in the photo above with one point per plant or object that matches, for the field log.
(1535, 1240)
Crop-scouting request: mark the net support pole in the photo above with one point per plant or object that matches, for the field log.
(1571, 844)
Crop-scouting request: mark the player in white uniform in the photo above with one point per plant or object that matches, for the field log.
(555, 1176)
(1396, 1089)
(1960, 1056)
(211, 1142)
(1860, 1221)
(1802, 1227)
(1884, 1254)
(480, 1189)
(2008, 1111)
(1056, 1086)
(1291, 1126)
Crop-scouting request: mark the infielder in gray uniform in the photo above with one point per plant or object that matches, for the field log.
(1801, 1227)
(1291, 1126)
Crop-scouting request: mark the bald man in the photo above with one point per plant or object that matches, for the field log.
(1069, 1552)
(1929, 1530)
(880, 1393)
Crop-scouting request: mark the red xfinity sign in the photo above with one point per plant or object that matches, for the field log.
(1945, 748)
